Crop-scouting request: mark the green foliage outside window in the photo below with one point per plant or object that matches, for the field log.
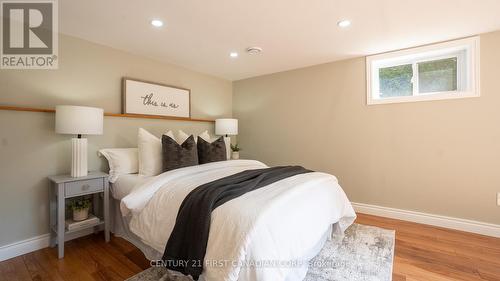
(437, 75)
(395, 81)
(433, 76)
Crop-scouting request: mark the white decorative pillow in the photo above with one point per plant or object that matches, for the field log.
(149, 152)
(121, 161)
(205, 136)
(182, 136)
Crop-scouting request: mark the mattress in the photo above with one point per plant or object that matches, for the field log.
(125, 184)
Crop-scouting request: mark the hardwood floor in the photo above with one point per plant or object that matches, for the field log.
(430, 253)
(86, 258)
(423, 253)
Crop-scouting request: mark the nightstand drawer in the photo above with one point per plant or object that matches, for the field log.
(83, 187)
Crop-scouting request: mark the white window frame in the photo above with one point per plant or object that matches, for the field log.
(467, 53)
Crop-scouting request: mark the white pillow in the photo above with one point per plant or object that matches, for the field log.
(227, 141)
(149, 152)
(121, 161)
(182, 137)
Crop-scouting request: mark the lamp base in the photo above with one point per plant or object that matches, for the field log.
(79, 157)
(227, 142)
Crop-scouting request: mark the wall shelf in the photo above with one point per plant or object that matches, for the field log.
(120, 115)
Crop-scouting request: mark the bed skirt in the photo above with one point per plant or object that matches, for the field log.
(119, 227)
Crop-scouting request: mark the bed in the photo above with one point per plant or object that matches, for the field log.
(267, 234)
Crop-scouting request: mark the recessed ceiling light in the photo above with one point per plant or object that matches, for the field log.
(157, 23)
(233, 54)
(344, 23)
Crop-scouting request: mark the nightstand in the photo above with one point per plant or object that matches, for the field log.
(64, 187)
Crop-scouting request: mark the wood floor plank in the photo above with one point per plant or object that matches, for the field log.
(35, 269)
(47, 264)
(405, 268)
(77, 253)
(488, 271)
(117, 254)
(107, 261)
(122, 245)
(422, 253)
(137, 257)
(435, 262)
(70, 268)
(15, 270)
(398, 277)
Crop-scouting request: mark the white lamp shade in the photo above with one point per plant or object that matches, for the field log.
(226, 126)
(79, 120)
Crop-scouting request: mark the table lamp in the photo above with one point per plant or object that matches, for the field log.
(226, 126)
(79, 120)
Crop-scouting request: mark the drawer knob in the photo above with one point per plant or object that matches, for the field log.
(85, 187)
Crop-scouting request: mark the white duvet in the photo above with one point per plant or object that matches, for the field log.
(266, 234)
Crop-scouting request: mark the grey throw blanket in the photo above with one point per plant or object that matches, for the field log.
(187, 244)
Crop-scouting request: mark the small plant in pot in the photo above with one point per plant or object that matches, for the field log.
(236, 152)
(80, 208)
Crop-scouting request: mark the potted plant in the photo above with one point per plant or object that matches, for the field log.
(80, 208)
(236, 152)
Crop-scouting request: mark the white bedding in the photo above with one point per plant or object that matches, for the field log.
(124, 184)
(277, 224)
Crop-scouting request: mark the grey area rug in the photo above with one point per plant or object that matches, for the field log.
(364, 254)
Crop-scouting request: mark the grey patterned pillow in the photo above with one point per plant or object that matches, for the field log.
(211, 152)
(177, 156)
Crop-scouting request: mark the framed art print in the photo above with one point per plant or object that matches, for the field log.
(147, 98)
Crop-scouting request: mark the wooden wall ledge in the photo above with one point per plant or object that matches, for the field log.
(32, 109)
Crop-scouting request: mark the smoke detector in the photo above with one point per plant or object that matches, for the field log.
(254, 50)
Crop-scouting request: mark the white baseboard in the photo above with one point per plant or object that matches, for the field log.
(483, 228)
(25, 246)
(36, 243)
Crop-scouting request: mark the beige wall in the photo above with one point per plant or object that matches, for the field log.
(89, 74)
(440, 157)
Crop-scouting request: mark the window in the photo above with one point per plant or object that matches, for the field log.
(442, 71)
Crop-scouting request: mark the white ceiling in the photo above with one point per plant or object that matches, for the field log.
(199, 35)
